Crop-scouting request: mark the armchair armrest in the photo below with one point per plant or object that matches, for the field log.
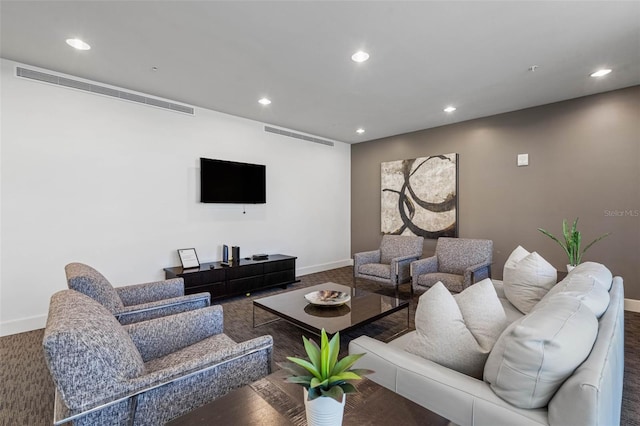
(150, 292)
(160, 308)
(470, 272)
(365, 257)
(165, 335)
(401, 268)
(427, 265)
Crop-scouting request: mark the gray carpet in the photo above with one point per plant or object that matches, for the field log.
(26, 391)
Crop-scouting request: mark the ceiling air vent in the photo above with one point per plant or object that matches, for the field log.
(297, 135)
(101, 90)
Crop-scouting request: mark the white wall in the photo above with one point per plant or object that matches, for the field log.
(115, 184)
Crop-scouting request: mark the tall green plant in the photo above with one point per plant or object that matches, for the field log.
(572, 241)
(322, 374)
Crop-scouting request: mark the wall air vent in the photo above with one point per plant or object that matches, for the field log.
(101, 90)
(296, 135)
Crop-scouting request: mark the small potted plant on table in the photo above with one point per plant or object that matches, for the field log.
(325, 380)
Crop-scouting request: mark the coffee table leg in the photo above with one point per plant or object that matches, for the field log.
(264, 323)
(408, 316)
(401, 332)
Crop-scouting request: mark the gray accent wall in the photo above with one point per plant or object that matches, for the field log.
(584, 161)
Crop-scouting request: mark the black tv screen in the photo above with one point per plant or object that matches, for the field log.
(231, 182)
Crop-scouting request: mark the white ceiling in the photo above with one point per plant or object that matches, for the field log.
(424, 56)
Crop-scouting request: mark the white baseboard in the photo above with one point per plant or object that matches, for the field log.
(632, 305)
(323, 267)
(22, 325)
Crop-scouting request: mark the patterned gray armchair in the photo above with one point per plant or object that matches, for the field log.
(391, 262)
(137, 302)
(458, 263)
(146, 373)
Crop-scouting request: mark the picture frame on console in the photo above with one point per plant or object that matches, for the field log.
(188, 258)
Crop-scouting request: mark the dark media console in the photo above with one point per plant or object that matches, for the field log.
(241, 277)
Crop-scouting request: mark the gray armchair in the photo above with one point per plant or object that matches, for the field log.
(137, 302)
(391, 262)
(458, 263)
(145, 373)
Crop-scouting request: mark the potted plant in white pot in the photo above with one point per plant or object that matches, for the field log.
(325, 379)
(572, 242)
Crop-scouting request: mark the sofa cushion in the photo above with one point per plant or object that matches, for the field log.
(597, 271)
(376, 270)
(537, 353)
(458, 331)
(527, 277)
(510, 311)
(455, 255)
(451, 281)
(585, 288)
(87, 350)
(88, 281)
(393, 246)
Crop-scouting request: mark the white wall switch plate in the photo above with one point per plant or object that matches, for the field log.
(523, 160)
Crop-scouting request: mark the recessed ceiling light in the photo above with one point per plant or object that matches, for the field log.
(360, 131)
(264, 101)
(600, 73)
(76, 43)
(360, 56)
(450, 109)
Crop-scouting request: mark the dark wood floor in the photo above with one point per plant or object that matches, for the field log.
(26, 390)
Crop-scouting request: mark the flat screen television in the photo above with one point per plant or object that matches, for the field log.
(231, 182)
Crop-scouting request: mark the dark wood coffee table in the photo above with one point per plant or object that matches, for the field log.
(273, 402)
(363, 308)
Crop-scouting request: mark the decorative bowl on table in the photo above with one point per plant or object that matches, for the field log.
(327, 298)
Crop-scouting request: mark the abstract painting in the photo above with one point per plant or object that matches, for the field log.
(420, 196)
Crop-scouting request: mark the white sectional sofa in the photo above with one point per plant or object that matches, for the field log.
(592, 395)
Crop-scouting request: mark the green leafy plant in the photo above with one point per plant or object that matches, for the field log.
(322, 374)
(572, 241)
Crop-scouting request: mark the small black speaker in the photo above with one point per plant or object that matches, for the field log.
(235, 253)
(225, 253)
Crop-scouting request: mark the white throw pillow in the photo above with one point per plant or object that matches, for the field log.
(585, 288)
(527, 277)
(597, 271)
(538, 352)
(458, 331)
